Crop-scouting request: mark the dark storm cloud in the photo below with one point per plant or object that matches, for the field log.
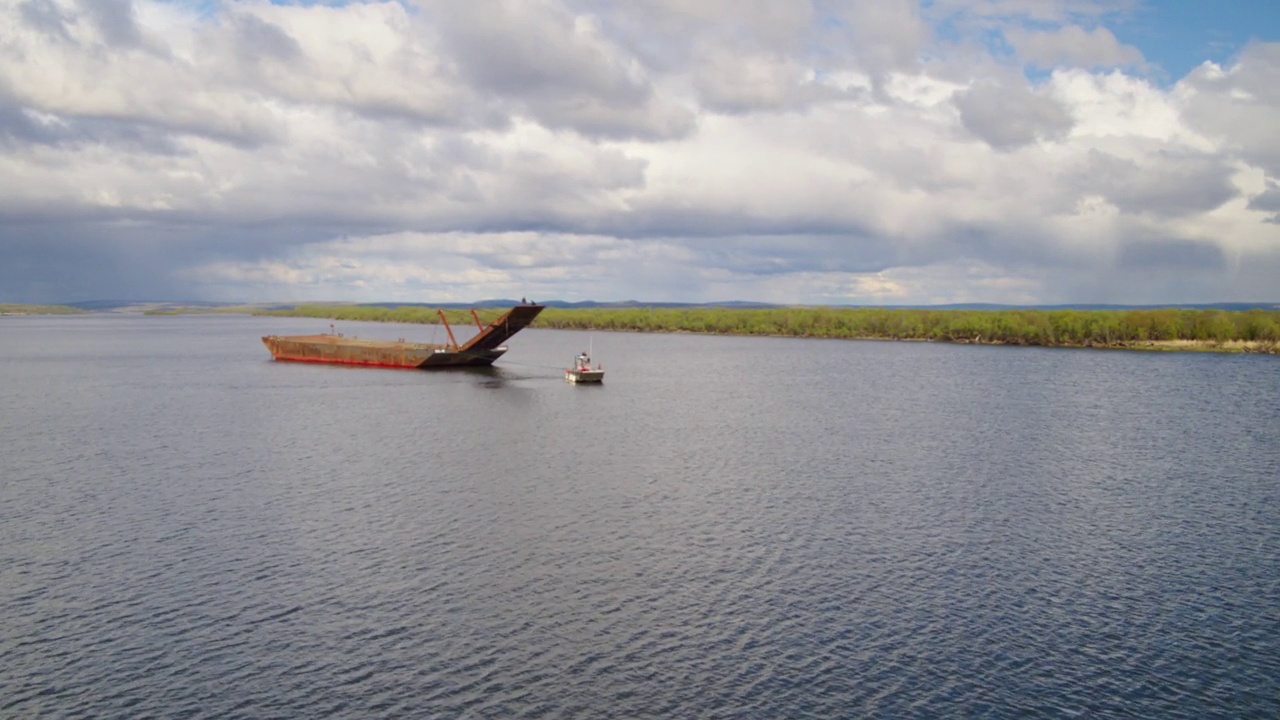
(115, 20)
(764, 256)
(44, 17)
(1010, 116)
(73, 261)
(19, 128)
(665, 219)
(1148, 268)
(1172, 254)
(1166, 184)
(1257, 275)
(112, 254)
(540, 60)
(257, 38)
(1009, 245)
(759, 245)
(1148, 286)
(1268, 201)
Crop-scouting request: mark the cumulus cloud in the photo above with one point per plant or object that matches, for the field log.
(1072, 46)
(730, 83)
(558, 67)
(1011, 116)
(377, 60)
(1039, 11)
(1238, 106)
(881, 152)
(886, 35)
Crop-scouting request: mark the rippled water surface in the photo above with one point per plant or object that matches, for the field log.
(729, 527)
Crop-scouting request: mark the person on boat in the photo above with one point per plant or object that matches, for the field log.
(584, 362)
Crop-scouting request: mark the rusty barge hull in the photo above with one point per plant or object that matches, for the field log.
(480, 351)
(334, 350)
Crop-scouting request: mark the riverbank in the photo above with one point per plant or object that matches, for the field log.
(1168, 329)
(18, 309)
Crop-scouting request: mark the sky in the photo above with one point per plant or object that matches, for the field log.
(868, 152)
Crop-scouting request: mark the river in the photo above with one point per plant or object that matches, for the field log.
(727, 527)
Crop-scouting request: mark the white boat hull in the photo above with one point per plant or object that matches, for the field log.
(584, 376)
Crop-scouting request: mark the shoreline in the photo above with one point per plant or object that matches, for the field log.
(1146, 330)
(20, 310)
(950, 326)
(1229, 347)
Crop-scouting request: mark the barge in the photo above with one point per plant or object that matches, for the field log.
(333, 348)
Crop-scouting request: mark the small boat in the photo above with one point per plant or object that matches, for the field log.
(582, 372)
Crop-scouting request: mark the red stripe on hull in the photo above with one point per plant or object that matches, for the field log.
(476, 362)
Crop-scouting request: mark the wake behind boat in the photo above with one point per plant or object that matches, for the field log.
(334, 348)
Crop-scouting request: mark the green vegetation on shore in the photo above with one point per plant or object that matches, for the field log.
(1165, 328)
(16, 309)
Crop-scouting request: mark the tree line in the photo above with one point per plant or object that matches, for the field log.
(21, 309)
